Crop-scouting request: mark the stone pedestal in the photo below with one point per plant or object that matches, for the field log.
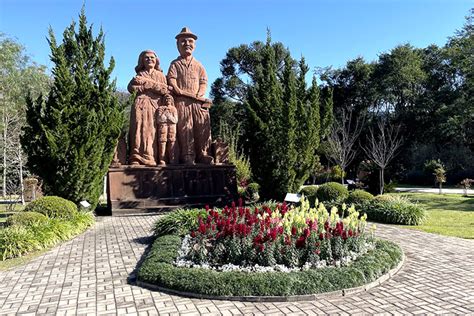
(141, 188)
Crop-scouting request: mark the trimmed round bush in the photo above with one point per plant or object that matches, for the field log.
(332, 191)
(53, 206)
(309, 192)
(395, 211)
(358, 197)
(26, 219)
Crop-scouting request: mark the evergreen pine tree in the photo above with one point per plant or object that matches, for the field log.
(70, 137)
(288, 129)
(284, 125)
(326, 111)
(264, 105)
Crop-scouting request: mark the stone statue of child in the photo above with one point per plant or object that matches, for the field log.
(166, 119)
(188, 80)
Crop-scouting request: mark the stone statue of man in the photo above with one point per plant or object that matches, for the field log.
(188, 81)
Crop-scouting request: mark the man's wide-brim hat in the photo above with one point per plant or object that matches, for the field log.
(186, 32)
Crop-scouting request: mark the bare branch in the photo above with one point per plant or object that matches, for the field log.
(341, 139)
(382, 147)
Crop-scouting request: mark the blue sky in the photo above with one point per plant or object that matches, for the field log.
(326, 32)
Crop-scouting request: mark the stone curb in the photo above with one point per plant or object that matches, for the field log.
(291, 298)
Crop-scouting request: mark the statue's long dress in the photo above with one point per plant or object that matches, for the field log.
(143, 147)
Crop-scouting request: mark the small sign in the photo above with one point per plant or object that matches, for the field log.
(292, 197)
(85, 204)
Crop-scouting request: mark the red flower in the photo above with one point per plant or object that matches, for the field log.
(258, 239)
(202, 228)
(321, 236)
(306, 232)
(273, 234)
(280, 230)
(300, 242)
(293, 230)
(193, 234)
(326, 225)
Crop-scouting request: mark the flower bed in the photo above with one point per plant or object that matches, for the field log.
(293, 237)
(269, 252)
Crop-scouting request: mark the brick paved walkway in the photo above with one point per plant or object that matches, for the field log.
(88, 275)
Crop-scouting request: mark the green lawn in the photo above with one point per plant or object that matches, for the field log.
(447, 214)
(15, 262)
(11, 208)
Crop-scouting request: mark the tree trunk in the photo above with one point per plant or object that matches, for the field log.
(440, 187)
(381, 180)
(4, 183)
(22, 186)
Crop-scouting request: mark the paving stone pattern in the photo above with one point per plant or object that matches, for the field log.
(91, 274)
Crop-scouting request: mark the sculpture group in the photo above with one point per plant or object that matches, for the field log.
(169, 121)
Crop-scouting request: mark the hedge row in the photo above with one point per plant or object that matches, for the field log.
(158, 269)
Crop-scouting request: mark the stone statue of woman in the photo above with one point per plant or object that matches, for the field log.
(150, 85)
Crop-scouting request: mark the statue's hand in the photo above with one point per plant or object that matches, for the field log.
(177, 91)
(163, 89)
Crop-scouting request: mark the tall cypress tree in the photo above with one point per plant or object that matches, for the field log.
(265, 107)
(288, 128)
(284, 125)
(70, 137)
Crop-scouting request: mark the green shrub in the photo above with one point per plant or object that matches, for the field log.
(18, 240)
(53, 206)
(252, 191)
(390, 198)
(395, 210)
(26, 219)
(241, 191)
(309, 192)
(358, 197)
(158, 269)
(332, 191)
(180, 221)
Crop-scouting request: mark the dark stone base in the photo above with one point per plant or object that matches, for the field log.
(144, 189)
